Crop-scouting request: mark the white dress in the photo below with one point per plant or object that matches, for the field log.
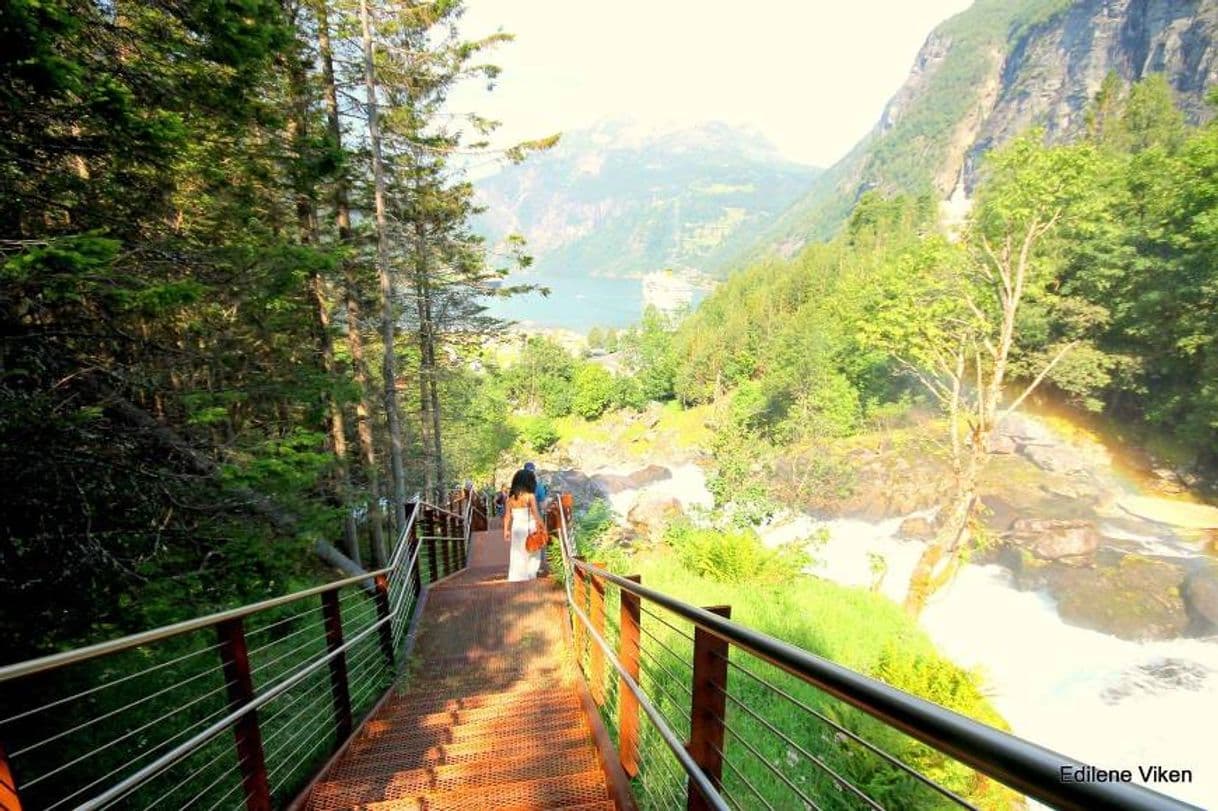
(522, 564)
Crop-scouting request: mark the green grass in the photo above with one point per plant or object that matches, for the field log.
(852, 627)
(678, 428)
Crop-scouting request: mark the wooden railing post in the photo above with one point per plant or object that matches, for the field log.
(627, 704)
(339, 686)
(412, 544)
(382, 611)
(234, 655)
(708, 707)
(9, 799)
(596, 613)
(447, 545)
(579, 590)
(433, 560)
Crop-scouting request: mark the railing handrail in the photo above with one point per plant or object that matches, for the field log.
(52, 661)
(1029, 768)
(120, 789)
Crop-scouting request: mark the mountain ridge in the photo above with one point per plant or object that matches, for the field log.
(990, 72)
(621, 200)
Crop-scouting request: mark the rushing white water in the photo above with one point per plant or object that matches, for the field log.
(1103, 700)
(687, 485)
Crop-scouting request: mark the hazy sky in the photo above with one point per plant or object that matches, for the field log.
(811, 75)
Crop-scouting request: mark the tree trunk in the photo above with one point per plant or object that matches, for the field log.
(428, 402)
(306, 217)
(389, 364)
(939, 562)
(351, 295)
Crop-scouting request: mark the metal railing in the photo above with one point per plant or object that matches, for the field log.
(237, 708)
(724, 702)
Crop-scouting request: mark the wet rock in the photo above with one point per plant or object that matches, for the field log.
(1163, 676)
(1023, 429)
(1136, 598)
(1001, 444)
(1055, 539)
(1201, 599)
(1168, 481)
(610, 483)
(1184, 514)
(999, 513)
(918, 528)
(1054, 458)
(650, 514)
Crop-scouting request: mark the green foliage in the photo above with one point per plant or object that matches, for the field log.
(593, 391)
(1122, 275)
(735, 557)
(628, 393)
(650, 356)
(538, 433)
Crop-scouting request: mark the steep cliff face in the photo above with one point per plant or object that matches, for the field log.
(992, 71)
(1053, 70)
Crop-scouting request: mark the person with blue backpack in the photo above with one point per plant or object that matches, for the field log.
(542, 492)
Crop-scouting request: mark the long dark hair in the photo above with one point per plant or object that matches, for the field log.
(523, 482)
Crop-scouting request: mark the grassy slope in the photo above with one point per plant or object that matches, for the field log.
(850, 626)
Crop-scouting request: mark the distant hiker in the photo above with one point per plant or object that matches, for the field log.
(523, 517)
(542, 492)
(501, 500)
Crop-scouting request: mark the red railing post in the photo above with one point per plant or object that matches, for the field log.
(412, 545)
(708, 707)
(339, 686)
(627, 704)
(596, 613)
(579, 590)
(382, 612)
(9, 799)
(433, 560)
(234, 655)
(447, 545)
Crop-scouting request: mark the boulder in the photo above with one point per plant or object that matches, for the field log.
(1054, 458)
(611, 483)
(650, 514)
(1135, 598)
(1001, 443)
(1201, 598)
(917, 528)
(1055, 539)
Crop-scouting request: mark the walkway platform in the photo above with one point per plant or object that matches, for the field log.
(493, 713)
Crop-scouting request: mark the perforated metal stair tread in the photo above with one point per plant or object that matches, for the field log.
(546, 793)
(490, 716)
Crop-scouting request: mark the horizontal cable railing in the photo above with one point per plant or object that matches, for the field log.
(235, 709)
(739, 719)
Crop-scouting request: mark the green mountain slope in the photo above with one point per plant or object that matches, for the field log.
(616, 202)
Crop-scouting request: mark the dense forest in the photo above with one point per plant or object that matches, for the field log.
(217, 219)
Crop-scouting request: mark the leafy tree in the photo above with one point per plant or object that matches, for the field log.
(955, 322)
(594, 390)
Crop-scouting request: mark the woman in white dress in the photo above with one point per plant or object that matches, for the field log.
(522, 516)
